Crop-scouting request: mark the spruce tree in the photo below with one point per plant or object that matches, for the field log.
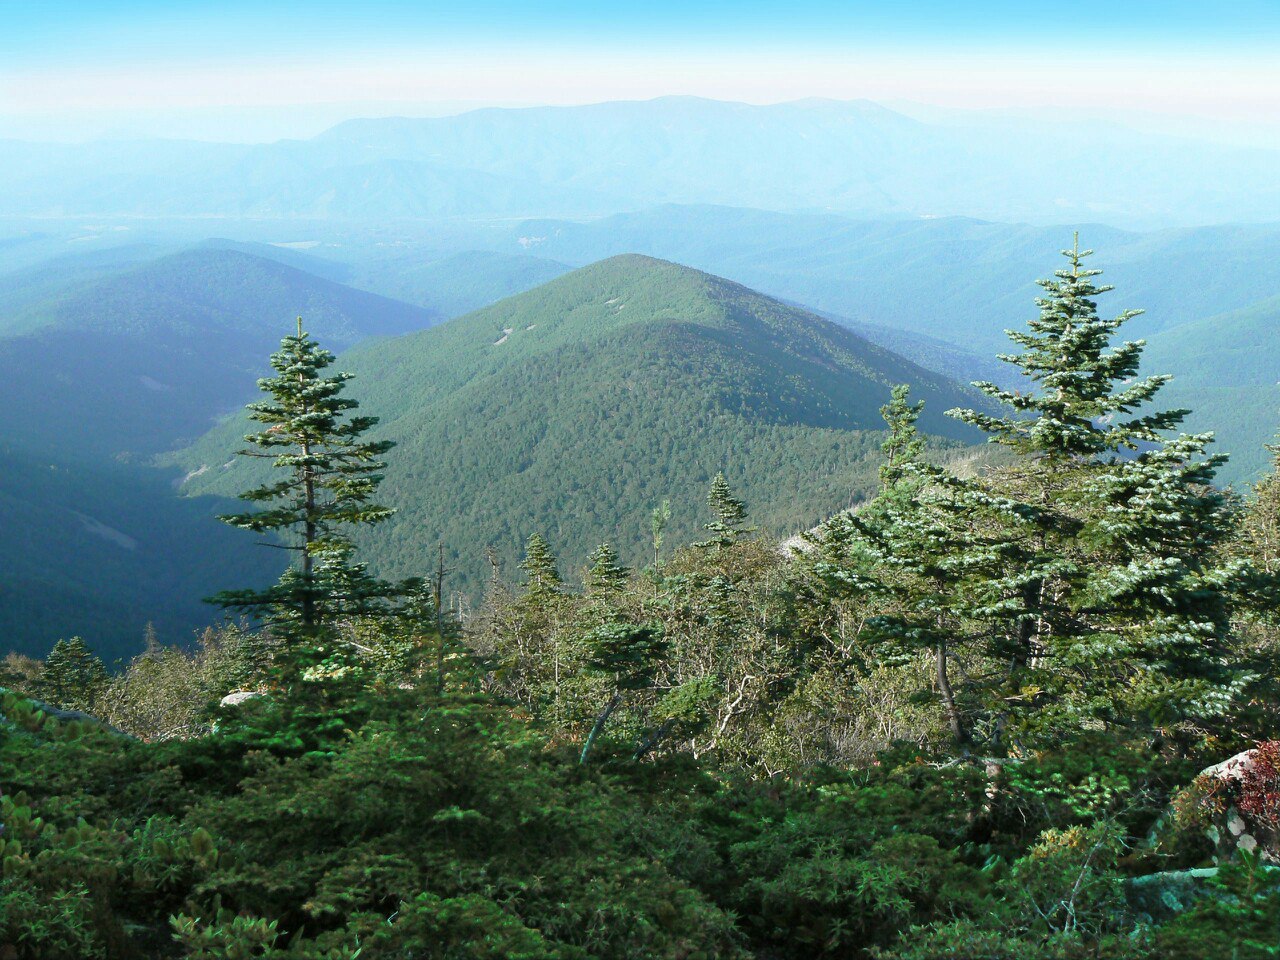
(920, 552)
(1084, 390)
(542, 579)
(904, 443)
(1157, 603)
(327, 476)
(73, 677)
(1083, 517)
(606, 577)
(730, 515)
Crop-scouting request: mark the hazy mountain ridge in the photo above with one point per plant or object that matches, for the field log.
(956, 279)
(851, 157)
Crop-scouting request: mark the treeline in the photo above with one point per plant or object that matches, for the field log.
(965, 720)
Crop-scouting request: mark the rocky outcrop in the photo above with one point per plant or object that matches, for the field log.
(241, 697)
(66, 715)
(1239, 803)
(1162, 896)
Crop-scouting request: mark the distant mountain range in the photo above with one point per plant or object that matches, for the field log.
(850, 157)
(576, 408)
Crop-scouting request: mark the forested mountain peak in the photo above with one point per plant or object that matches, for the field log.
(798, 354)
(595, 396)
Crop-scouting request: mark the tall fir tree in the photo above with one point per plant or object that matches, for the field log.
(1157, 603)
(542, 578)
(1084, 389)
(730, 515)
(919, 553)
(903, 443)
(328, 474)
(73, 677)
(1085, 522)
(605, 577)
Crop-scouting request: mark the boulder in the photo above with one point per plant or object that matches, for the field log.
(1239, 799)
(1158, 897)
(76, 716)
(241, 697)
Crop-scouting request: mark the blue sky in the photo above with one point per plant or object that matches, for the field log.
(66, 62)
(66, 31)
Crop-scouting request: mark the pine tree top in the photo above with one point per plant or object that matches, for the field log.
(730, 514)
(539, 566)
(1084, 390)
(606, 575)
(904, 443)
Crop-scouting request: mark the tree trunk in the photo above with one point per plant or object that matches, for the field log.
(656, 737)
(599, 725)
(954, 720)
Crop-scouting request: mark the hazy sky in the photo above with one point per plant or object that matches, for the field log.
(225, 70)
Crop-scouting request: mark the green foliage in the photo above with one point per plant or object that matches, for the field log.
(730, 515)
(605, 577)
(427, 806)
(169, 693)
(904, 444)
(1239, 917)
(810, 890)
(1083, 384)
(73, 678)
(1080, 586)
(539, 566)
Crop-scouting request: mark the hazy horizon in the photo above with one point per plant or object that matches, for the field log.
(271, 124)
(242, 72)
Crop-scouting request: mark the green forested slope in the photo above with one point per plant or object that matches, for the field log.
(1226, 370)
(102, 549)
(577, 407)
